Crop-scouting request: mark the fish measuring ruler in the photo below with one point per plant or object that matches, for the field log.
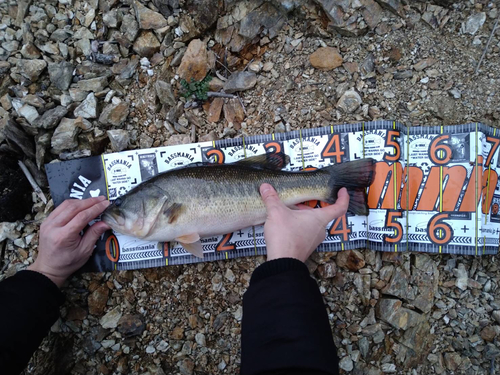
(436, 189)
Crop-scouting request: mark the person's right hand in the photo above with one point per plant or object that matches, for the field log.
(297, 233)
(61, 249)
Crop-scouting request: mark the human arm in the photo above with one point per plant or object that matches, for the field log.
(285, 328)
(30, 299)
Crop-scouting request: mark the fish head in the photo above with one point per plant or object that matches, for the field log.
(136, 213)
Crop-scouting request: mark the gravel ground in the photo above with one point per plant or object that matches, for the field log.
(79, 78)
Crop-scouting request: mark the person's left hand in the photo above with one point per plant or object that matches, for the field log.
(61, 249)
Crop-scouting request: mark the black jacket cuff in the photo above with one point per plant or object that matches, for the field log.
(277, 266)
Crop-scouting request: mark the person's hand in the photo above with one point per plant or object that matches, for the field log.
(297, 233)
(61, 249)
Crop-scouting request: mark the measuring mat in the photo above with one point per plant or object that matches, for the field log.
(436, 190)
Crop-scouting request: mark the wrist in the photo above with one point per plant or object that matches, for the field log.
(56, 279)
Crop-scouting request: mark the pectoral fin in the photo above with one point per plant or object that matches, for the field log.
(191, 242)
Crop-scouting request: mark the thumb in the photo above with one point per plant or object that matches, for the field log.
(92, 235)
(270, 197)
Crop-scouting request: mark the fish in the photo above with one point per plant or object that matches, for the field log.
(204, 199)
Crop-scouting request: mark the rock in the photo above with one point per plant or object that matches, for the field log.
(19, 138)
(177, 333)
(83, 124)
(93, 84)
(489, 333)
(462, 277)
(148, 19)
(496, 315)
(31, 69)
(87, 108)
(162, 346)
(186, 366)
(394, 6)
(388, 368)
(110, 18)
(392, 312)
(129, 27)
(111, 319)
(346, 363)
(452, 361)
(28, 112)
(97, 300)
(350, 259)
(405, 74)
(178, 139)
(131, 325)
(234, 113)
(119, 139)
(266, 16)
(65, 136)
(61, 74)
(114, 114)
(491, 351)
(240, 81)
(146, 44)
(473, 23)
(215, 109)
(424, 64)
(327, 270)
(8, 231)
(350, 101)
(194, 64)
(326, 58)
(50, 119)
(150, 349)
(200, 339)
(145, 141)
(29, 51)
(165, 93)
(372, 13)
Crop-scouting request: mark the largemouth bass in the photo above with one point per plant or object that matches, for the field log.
(203, 200)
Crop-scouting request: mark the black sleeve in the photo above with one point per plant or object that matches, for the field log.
(285, 327)
(29, 305)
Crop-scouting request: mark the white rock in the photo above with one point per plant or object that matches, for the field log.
(110, 320)
(473, 23)
(200, 339)
(28, 112)
(87, 108)
(346, 364)
(150, 349)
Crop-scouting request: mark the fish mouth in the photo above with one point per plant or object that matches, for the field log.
(112, 219)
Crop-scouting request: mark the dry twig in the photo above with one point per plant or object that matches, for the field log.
(32, 181)
(487, 45)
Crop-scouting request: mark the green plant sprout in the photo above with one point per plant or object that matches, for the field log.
(197, 88)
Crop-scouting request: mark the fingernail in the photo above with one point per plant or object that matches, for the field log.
(101, 197)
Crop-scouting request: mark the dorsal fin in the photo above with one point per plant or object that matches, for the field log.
(273, 161)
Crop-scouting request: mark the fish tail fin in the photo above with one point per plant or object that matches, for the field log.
(355, 176)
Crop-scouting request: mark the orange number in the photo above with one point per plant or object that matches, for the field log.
(391, 141)
(332, 149)
(112, 248)
(340, 228)
(391, 222)
(439, 232)
(494, 146)
(224, 244)
(439, 152)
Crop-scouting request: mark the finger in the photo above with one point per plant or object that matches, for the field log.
(270, 197)
(70, 207)
(81, 219)
(328, 213)
(301, 206)
(91, 236)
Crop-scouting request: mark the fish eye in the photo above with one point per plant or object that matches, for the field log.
(118, 202)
